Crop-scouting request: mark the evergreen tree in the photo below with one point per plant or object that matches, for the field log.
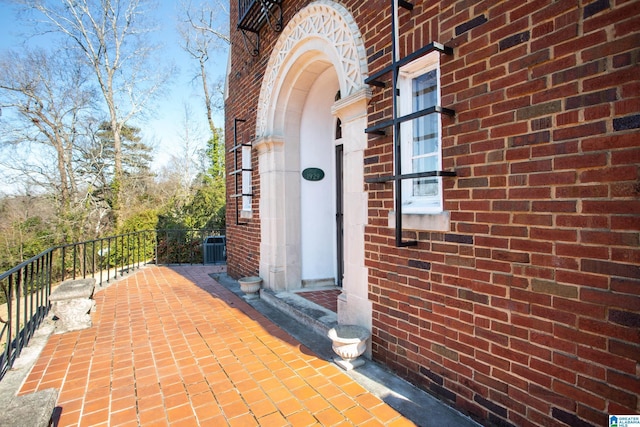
(133, 186)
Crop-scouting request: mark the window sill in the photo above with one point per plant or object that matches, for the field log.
(423, 222)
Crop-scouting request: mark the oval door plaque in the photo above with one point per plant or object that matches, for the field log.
(313, 174)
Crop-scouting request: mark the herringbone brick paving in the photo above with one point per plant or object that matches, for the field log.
(170, 346)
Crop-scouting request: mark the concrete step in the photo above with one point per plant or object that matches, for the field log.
(35, 409)
(31, 410)
(304, 311)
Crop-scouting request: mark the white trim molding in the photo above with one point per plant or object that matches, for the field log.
(341, 41)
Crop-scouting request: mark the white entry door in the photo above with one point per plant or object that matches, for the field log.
(317, 196)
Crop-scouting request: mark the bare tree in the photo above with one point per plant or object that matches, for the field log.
(113, 37)
(192, 147)
(50, 100)
(204, 31)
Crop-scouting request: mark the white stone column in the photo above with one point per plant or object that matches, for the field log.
(272, 216)
(354, 306)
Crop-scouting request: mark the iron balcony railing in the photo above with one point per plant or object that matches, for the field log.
(252, 15)
(25, 289)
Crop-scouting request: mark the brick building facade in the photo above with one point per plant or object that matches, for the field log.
(505, 278)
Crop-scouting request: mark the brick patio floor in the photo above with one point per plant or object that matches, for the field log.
(170, 346)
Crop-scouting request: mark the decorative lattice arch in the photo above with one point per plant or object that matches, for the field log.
(322, 19)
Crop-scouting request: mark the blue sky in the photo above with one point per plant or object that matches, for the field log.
(167, 125)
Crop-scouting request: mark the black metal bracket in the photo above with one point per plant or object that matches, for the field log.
(429, 174)
(396, 121)
(405, 4)
(375, 79)
(398, 180)
(377, 129)
(252, 15)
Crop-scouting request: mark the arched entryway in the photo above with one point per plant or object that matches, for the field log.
(319, 53)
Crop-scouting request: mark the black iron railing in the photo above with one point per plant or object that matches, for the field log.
(25, 289)
(252, 15)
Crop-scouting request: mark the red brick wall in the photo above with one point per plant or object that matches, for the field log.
(243, 234)
(527, 312)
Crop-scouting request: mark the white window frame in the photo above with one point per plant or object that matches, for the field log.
(418, 204)
(246, 179)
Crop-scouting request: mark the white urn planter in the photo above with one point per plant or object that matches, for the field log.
(250, 286)
(349, 342)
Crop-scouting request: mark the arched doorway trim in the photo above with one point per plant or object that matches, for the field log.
(322, 38)
(339, 39)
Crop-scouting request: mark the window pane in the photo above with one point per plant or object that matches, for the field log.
(425, 134)
(425, 91)
(425, 187)
(425, 164)
(425, 128)
(421, 136)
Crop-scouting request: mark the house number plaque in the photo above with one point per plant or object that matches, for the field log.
(313, 174)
